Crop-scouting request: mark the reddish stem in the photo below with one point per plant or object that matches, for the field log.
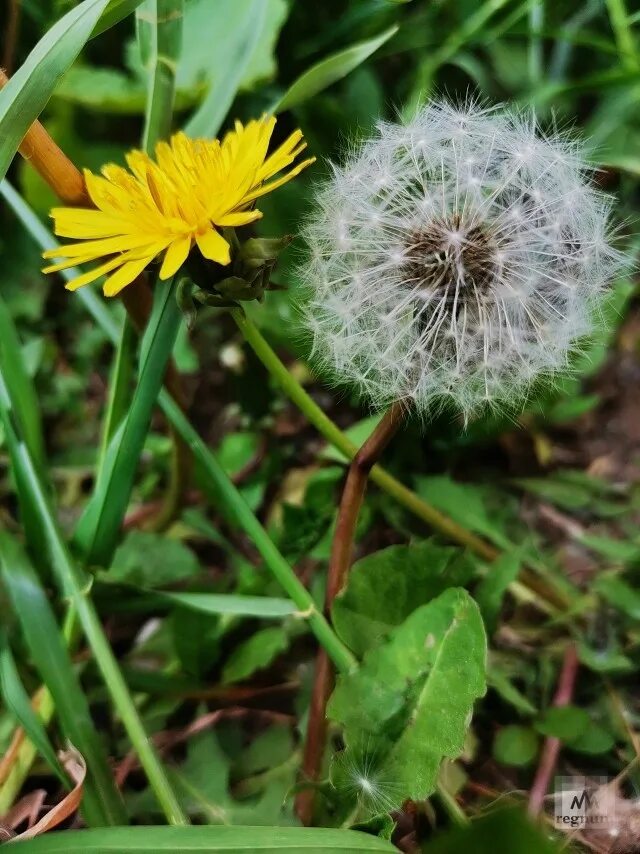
(551, 747)
(340, 561)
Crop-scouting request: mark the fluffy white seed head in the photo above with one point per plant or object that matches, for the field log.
(455, 258)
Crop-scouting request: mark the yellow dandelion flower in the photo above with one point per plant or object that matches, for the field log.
(193, 188)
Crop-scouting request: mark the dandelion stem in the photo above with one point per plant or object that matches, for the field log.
(551, 748)
(341, 558)
(404, 496)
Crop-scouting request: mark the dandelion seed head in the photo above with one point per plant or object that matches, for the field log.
(456, 258)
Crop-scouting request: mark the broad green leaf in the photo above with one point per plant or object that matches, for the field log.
(385, 587)
(502, 830)
(26, 94)
(151, 560)
(17, 701)
(102, 803)
(595, 740)
(515, 745)
(99, 526)
(221, 840)
(256, 653)
(330, 70)
(409, 705)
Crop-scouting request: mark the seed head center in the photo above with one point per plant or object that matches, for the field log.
(446, 256)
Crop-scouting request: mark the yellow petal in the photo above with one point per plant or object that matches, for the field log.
(175, 256)
(93, 274)
(213, 246)
(273, 185)
(238, 218)
(124, 276)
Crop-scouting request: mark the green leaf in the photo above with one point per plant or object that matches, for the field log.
(256, 653)
(619, 594)
(330, 70)
(26, 94)
(242, 25)
(151, 560)
(464, 502)
(99, 526)
(410, 702)
(502, 830)
(594, 741)
(563, 722)
(385, 587)
(222, 840)
(265, 607)
(17, 701)
(491, 591)
(115, 11)
(102, 803)
(515, 745)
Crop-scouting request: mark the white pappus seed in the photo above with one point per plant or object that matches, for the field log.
(456, 258)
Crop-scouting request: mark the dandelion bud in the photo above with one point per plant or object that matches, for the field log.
(455, 259)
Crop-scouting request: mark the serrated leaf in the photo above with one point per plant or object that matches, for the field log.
(412, 698)
(385, 587)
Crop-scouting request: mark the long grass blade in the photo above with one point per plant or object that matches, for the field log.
(216, 840)
(99, 527)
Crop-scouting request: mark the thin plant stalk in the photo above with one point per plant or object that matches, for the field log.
(160, 26)
(339, 563)
(627, 49)
(75, 585)
(231, 502)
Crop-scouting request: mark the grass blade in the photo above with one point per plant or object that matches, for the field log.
(99, 526)
(330, 70)
(238, 45)
(266, 607)
(102, 803)
(26, 94)
(120, 382)
(219, 839)
(18, 702)
(116, 11)
(164, 19)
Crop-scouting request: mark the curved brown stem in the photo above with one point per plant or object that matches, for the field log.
(339, 563)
